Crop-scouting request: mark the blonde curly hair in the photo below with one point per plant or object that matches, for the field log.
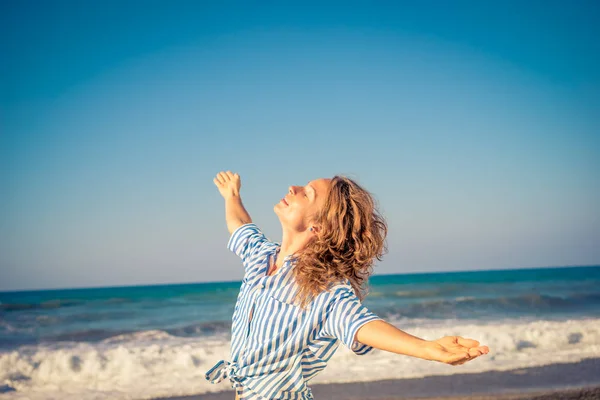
(352, 234)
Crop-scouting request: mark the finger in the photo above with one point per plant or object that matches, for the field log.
(468, 359)
(459, 348)
(478, 351)
(467, 342)
(229, 174)
(462, 358)
(218, 179)
(475, 352)
(458, 358)
(224, 177)
(217, 182)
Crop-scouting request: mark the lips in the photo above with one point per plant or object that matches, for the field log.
(285, 202)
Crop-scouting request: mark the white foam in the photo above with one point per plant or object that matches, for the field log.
(153, 364)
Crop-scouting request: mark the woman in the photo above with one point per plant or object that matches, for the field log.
(300, 298)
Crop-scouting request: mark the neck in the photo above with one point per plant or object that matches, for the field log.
(291, 242)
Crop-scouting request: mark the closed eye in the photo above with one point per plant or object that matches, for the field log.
(306, 192)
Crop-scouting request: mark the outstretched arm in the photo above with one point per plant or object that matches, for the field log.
(229, 185)
(453, 350)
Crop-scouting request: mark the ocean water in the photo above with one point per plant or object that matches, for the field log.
(150, 341)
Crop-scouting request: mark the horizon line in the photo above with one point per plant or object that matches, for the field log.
(239, 280)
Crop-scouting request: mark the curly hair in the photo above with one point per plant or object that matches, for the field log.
(352, 233)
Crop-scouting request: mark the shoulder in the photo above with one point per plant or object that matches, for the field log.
(248, 228)
(340, 287)
(338, 291)
(247, 233)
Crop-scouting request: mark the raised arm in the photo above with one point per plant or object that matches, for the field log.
(453, 350)
(229, 185)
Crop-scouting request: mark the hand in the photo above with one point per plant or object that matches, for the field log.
(228, 183)
(455, 350)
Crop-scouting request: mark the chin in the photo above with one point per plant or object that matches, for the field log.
(277, 212)
(279, 216)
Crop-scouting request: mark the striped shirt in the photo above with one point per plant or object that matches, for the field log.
(276, 352)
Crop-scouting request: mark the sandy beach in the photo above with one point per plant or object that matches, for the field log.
(579, 380)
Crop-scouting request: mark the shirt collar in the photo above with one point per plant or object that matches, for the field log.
(287, 258)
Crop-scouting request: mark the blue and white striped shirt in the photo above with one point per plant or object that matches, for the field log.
(282, 347)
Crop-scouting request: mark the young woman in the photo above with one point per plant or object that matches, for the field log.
(301, 297)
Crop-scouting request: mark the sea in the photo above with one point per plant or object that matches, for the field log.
(144, 342)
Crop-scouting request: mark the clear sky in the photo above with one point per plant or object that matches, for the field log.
(475, 124)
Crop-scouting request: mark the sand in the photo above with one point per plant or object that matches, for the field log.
(579, 380)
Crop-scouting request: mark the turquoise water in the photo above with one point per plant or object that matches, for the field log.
(205, 309)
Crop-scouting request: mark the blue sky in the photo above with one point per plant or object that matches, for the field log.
(475, 124)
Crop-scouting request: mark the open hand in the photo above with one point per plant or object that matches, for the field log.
(455, 350)
(228, 183)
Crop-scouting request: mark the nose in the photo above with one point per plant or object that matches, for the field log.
(292, 190)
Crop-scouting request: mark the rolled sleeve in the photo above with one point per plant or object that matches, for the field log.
(346, 315)
(246, 242)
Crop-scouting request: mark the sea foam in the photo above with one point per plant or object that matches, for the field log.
(152, 364)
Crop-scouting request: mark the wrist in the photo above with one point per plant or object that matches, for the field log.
(232, 197)
(430, 350)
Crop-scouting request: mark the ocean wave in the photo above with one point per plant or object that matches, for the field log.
(417, 294)
(45, 305)
(202, 329)
(62, 303)
(469, 306)
(154, 363)
(117, 300)
(27, 332)
(138, 337)
(86, 335)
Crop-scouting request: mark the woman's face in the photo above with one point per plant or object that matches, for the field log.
(297, 207)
